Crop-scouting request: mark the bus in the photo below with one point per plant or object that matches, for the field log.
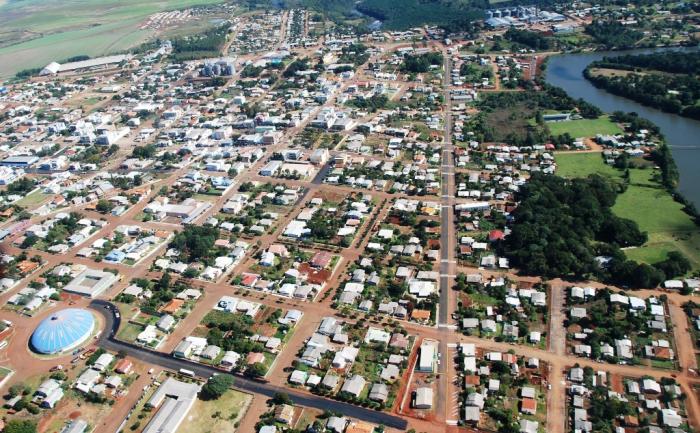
(188, 373)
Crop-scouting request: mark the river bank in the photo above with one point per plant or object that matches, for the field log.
(645, 200)
(681, 134)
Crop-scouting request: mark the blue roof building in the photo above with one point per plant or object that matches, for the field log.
(115, 256)
(62, 331)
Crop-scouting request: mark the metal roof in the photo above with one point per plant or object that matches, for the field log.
(63, 330)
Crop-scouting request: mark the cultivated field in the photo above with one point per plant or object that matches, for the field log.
(34, 33)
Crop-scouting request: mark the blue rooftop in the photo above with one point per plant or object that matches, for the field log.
(63, 330)
(115, 256)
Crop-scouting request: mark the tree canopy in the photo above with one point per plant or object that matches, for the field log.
(216, 386)
(559, 222)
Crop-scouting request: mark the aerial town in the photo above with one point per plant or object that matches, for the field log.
(275, 219)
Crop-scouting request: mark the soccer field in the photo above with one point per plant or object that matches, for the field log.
(585, 127)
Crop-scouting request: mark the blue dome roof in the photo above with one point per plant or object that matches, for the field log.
(62, 331)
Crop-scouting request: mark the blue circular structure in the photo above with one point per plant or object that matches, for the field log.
(62, 331)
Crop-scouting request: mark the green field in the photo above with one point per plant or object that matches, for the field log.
(647, 203)
(584, 127)
(219, 416)
(34, 33)
(656, 212)
(579, 164)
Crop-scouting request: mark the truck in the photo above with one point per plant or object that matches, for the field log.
(185, 372)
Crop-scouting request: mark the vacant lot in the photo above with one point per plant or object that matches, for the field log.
(216, 416)
(585, 127)
(34, 33)
(513, 121)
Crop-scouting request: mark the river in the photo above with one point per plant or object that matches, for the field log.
(682, 134)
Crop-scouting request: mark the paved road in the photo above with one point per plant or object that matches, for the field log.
(108, 342)
(446, 404)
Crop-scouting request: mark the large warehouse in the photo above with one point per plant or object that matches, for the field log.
(62, 331)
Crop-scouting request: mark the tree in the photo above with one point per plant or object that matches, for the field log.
(282, 398)
(256, 370)
(216, 386)
(164, 282)
(20, 426)
(103, 206)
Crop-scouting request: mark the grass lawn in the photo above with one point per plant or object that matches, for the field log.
(4, 372)
(220, 416)
(32, 199)
(583, 164)
(584, 127)
(669, 228)
(644, 201)
(129, 332)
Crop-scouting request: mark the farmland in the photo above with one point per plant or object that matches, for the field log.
(35, 33)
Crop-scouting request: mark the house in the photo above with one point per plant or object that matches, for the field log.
(328, 326)
(255, 358)
(52, 399)
(475, 399)
(123, 366)
(651, 386)
(298, 377)
(284, 414)
(354, 385)
(427, 357)
(379, 392)
(165, 323)
(375, 335)
(330, 380)
(528, 406)
(527, 426)
(230, 359)
(423, 398)
(211, 352)
(47, 387)
(472, 415)
(345, 356)
(103, 362)
(670, 418)
(576, 374)
(390, 373)
(336, 424)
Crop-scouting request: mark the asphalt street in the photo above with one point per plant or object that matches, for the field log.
(108, 341)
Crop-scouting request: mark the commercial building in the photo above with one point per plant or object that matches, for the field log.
(62, 331)
(54, 68)
(173, 401)
(427, 357)
(21, 161)
(91, 282)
